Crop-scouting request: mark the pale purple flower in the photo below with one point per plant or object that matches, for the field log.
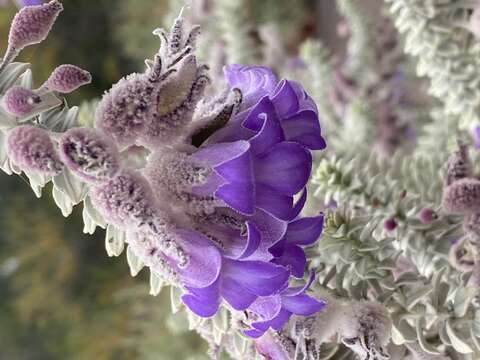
(273, 348)
(90, 154)
(30, 25)
(426, 215)
(19, 101)
(67, 78)
(31, 148)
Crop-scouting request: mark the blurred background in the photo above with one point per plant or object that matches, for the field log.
(61, 297)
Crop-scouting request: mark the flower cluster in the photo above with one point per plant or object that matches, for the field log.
(215, 210)
(218, 219)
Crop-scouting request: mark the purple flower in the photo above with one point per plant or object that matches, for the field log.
(291, 105)
(67, 78)
(90, 154)
(31, 148)
(253, 81)
(240, 283)
(274, 311)
(19, 101)
(273, 349)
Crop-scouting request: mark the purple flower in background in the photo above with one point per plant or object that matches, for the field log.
(31, 148)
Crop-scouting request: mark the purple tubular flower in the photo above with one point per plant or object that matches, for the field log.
(274, 311)
(31, 148)
(90, 154)
(19, 101)
(30, 25)
(240, 283)
(253, 81)
(67, 78)
(290, 104)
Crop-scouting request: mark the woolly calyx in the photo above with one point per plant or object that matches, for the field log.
(19, 101)
(462, 196)
(67, 78)
(125, 109)
(90, 154)
(30, 25)
(31, 148)
(127, 201)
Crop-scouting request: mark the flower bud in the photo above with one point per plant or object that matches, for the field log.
(19, 101)
(462, 196)
(30, 25)
(90, 154)
(31, 148)
(67, 78)
(390, 224)
(426, 216)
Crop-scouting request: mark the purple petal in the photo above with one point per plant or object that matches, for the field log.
(285, 100)
(296, 290)
(268, 347)
(205, 301)
(302, 304)
(267, 307)
(254, 334)
(279, 321)
(253, 81)
(272, 230)
(294, 259)
(285, 168)
(205, 261)
(305, 231)
(253, 240)
(238, 296)
(273, 203)
(260, 278)
(304, 128)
